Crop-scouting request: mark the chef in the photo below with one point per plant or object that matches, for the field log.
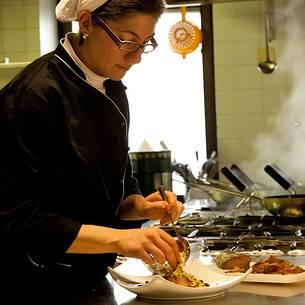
(68, 201)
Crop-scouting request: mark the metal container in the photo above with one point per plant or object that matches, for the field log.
(291, 206)
(152, 168)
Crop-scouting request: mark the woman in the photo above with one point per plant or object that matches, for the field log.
(67, 189)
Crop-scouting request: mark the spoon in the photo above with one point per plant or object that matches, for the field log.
(267, 66)
(183, 245)
(182, 242)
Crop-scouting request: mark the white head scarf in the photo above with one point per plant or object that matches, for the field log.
(67, 10)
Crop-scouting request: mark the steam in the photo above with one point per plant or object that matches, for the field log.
(284, 143)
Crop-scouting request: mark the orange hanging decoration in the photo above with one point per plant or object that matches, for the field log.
(184, 36)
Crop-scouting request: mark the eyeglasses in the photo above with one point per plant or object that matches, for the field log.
(126, 45)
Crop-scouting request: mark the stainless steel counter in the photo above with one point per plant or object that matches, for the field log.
(245, 293)
(242, 294)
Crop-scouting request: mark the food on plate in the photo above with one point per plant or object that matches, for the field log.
(180, 277)
(275, 265)
(234, 262)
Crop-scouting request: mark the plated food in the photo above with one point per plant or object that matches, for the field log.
(235, 262)
(275, 265)
(180, 277)
(134, 276)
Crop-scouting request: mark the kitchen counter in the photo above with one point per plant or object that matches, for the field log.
(111, 293)
(245, 293)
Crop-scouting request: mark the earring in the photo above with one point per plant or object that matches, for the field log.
(85, 36)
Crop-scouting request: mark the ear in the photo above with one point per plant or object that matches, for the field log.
(85, 21)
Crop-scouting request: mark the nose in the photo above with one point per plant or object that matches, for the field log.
(135, 56)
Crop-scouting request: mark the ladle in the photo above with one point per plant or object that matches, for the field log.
(267, 66)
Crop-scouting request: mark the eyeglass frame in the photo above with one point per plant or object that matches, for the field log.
(120, 42)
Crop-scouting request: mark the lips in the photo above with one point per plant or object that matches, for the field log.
(124, 67)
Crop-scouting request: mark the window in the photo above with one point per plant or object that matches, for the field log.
(166, 96)
(166, 99)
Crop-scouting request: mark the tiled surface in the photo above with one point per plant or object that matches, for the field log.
(19, 34)
(7, 74)
(13, 41)
(32, 41)
(12, 17)
(248, 101)
(19, 29)
(31, 16)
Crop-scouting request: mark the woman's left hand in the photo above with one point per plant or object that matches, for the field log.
(155, 208)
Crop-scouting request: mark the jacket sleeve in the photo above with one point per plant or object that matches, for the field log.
(131, 183)
(26, 217)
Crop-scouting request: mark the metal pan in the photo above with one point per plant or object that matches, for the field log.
(277, 174)
(292, 206)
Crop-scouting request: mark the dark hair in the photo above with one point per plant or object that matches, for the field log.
(118, 8)
(113, 9)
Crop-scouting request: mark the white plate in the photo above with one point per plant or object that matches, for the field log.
(276, 278)
(156, 287)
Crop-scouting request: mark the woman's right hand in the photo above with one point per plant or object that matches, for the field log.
(148, 244)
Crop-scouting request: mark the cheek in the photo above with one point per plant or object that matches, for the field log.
(111, 54)
(105, 57)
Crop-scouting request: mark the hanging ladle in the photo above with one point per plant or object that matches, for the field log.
(267, 66)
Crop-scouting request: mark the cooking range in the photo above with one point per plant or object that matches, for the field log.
(259, 233)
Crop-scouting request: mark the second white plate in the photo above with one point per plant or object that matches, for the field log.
(276, 278)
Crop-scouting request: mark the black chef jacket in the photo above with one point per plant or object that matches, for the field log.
(63, 163)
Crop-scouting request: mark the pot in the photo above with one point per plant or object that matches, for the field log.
(287, 206)
(245, 184)
(222, 198)
(152, 168)
(292, 206)
(279, 176)
(280, 205)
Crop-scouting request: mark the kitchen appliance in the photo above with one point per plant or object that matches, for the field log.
(252, 230)
(261, 234)
(206, 175)
(152, 168)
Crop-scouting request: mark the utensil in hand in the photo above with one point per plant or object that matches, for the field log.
(182, 242)
(183, 245)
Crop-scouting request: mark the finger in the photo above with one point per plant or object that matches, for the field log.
(157, 254)
(165, 220)
(164, 247)
(171, 200)
(147, 258)
(174, 249)
(154, 197)
(177, 211)
(151, 251)
(173, 215)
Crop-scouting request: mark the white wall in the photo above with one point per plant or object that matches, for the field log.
(256, 111)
